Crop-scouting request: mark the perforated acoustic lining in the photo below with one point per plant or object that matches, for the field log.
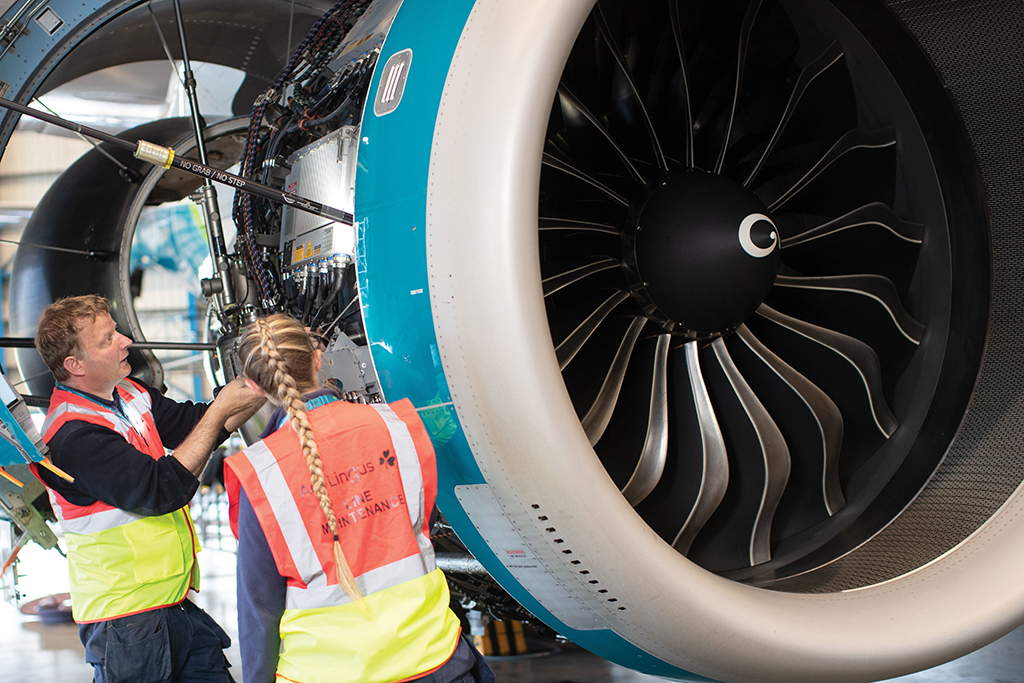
(979, 50)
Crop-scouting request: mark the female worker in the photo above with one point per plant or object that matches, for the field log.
(336, 574)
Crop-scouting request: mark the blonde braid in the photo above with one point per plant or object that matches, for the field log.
(291, 400)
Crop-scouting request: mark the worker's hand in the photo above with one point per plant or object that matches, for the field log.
(237, 397)
(235, 403)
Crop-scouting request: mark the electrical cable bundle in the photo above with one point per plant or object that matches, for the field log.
(305, 70)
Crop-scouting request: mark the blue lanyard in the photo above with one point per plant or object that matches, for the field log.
(312, 403)
(117, 404)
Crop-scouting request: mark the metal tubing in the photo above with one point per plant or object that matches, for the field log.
(459, 563)
(29, 342)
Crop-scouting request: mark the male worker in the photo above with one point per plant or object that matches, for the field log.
(130, 540)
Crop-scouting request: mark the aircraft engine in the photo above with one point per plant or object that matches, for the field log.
(709, 306)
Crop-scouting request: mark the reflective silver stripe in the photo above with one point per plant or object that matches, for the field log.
(56, 507)
(135, 415)
(412, 477)
(57, 412)
(98, 521)
(275, 488)
(136, 396)
(89, 524)
(75, 409)
(113, 420)
(319, 594)
(135, 392)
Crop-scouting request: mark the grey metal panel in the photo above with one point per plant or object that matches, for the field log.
(324, 172)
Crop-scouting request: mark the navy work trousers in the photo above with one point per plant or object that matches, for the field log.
(179, 644)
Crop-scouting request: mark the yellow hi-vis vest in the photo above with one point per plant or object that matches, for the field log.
(380, 474)
(120, 563)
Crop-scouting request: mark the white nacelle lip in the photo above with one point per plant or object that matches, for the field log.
(487, 302)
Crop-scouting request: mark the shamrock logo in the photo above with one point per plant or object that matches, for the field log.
(387, 459)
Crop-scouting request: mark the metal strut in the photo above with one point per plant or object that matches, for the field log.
(164, 156)
(207, 196)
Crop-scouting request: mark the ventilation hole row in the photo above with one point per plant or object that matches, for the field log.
(583, 572)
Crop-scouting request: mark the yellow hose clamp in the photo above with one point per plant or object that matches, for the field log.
(154, 154)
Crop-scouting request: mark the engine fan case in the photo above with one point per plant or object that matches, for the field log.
(447, 204)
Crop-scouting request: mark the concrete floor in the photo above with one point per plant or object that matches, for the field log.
(31, 652)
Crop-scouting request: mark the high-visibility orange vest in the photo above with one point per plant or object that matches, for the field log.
(381, 477)
(120, 563)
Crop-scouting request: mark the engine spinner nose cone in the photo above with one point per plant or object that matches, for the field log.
(705, 253)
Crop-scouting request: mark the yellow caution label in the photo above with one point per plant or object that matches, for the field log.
(309, 249)
(298, 254)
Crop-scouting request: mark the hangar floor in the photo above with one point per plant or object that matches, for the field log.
(31, 652)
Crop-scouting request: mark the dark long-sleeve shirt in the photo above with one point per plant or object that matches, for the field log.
(261, 593)
(108, 468)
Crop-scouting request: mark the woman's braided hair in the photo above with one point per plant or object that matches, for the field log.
(277, 354)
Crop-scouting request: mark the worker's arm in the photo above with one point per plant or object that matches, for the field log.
(235, 404)
(109, 469)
